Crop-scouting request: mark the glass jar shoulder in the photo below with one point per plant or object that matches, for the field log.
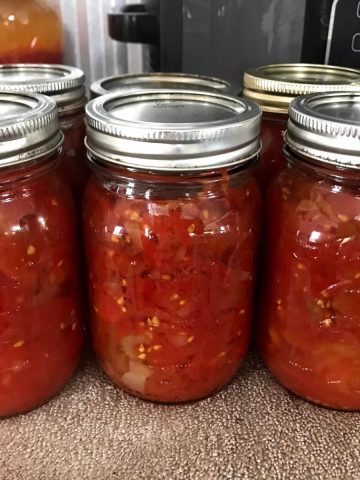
(195, 205)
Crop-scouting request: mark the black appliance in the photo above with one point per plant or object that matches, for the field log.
(224, 37)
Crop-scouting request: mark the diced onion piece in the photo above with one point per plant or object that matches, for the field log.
(136, 377)
(133, 230)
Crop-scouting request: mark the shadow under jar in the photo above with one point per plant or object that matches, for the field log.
(310, 331)
(171, 221)
(40, 319)
(273, 87)
(66, 86)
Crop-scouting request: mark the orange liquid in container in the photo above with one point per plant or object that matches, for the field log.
(30, 32)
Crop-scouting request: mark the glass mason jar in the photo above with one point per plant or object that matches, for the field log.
(171, 221)
(40, 318)
(310, 332)
(273, 87)
(30, 32)
(66, 85)
(148, 81)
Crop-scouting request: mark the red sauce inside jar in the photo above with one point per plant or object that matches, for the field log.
(75, 167)
(271, 157)
(310, 335)
(171, 280)
(28, 56)
(40, 319)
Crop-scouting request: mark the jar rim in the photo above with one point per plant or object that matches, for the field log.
(151, 80)
(273, 87)
(173, 130)
(326, 128)
(29, 128)
(65, 84)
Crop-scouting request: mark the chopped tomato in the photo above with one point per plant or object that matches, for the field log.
(310, 333)
(40, 318)
(171, 279)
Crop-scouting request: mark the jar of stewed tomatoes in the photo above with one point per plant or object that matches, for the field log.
(40, 318)
(149, 81)
(66, 86)
(171, 221)
(273, 87)
(310, 335)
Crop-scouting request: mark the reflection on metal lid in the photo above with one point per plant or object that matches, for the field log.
(274, 86)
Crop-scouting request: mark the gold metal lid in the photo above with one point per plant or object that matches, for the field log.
(273, 87)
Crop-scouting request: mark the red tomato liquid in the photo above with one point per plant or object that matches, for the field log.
(75, 167)
(271, 157)
(171, 280)
(40, 319)
(26, 55)
(310, 332)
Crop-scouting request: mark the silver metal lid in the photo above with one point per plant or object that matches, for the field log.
(64, 84)
(326, 127)
(274, 86)
(173, 130)
(29, 127)
(142, 81)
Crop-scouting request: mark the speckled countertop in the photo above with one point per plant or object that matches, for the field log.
(253, 429)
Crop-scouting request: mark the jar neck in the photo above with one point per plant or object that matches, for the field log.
(275, 117)
(139, 184)
(71, 119)
(29, 170)
(323, 172)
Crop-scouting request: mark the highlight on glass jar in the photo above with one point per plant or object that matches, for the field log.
(155, 80)
(310, 332)
(273, 87)
(66, 85)
(40, 318)
(171, 222)
(30, 31)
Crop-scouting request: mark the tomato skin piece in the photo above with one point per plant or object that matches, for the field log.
(310, 321)
(170, 281)
(41, 325)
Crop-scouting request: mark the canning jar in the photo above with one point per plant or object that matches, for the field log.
(40, 318)
(273, 87)
(66, 86)
(30, 32)
(171, 220)
(148, 81)
(310, 332)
